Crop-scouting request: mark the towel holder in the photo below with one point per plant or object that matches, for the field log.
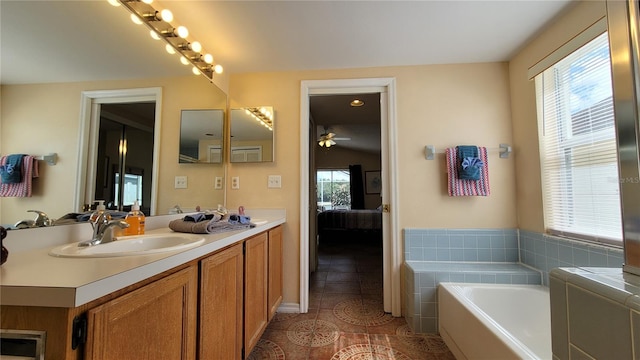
(50, 159)
(504, 150)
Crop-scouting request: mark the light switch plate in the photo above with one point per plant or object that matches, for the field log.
(181, 182)
(275, 181)
(218, 183)
(235, 182)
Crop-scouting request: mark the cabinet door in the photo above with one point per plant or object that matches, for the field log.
(275, 270)
(255, 290)
(221, 305)
(157, 321)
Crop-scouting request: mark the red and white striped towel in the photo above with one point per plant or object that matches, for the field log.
(23, 188)
(458, 187)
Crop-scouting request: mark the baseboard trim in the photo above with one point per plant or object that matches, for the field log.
(289, 308)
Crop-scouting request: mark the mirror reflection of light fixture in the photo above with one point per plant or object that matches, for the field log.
(262, 116)
(160, 24)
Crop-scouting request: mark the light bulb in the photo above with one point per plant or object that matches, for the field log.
(166, 15)
(218, 69)
(147, 1)
(154, 35)
(196, 46)
(170, 49)
(208, 58)
(183, 32)
(114, 2)
(184, 60)
(195, 71)
(136, 19)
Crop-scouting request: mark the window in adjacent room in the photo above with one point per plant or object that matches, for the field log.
(578, 145)
(333, 189)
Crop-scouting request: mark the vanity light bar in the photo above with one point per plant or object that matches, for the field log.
(159, 22)
(262, 116)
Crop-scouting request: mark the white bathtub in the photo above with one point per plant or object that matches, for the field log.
(493, 321)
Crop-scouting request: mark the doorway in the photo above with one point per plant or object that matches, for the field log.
(88, 180)
(125, 155)
(391, 248)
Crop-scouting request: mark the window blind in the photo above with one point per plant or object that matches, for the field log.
(578, 152)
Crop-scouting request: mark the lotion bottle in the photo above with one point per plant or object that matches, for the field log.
(135, 218)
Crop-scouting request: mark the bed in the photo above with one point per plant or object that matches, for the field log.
(340, 224)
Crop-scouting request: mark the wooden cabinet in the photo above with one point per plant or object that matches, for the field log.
(157, 321)
(221, 299)
(275, 284)
(255, 290)
(215, 307)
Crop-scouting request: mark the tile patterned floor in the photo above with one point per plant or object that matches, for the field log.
(346, 320)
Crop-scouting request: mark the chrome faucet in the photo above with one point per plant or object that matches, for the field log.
(101, 224)
(41, 220)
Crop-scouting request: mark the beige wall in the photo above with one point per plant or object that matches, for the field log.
(523, 105)
(442, 105)
(39, 119)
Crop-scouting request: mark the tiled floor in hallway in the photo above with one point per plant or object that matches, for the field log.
(346, 320)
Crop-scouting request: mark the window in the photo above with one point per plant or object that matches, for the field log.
(578, 145)
(132, 189)
(333, 189)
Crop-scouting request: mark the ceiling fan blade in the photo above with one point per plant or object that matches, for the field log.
(342, 138)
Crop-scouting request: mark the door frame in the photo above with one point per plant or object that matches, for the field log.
(392, 254)
(89, 133)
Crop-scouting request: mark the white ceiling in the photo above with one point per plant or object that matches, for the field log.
(85, 40)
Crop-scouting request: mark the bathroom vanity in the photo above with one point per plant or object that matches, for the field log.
(212, 301)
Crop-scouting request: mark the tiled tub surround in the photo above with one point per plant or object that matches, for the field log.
(422, 279)
(501, 256)
(545, 252)
(456, 255)
(595, 313)
(485, 245)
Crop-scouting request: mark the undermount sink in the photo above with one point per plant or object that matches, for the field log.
(131, 245)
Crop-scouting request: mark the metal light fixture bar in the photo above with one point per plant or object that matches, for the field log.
(153, 20)
(261, 117)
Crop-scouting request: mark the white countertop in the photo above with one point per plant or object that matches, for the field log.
(32, 277)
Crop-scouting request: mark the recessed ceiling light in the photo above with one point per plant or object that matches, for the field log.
(357, 102)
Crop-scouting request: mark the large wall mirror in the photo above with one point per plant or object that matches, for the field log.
(26, 104)
(252, 134)
(201, 136)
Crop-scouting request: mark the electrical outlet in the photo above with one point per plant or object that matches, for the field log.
(275, 181)
(181, 182)
(235, 182)
(218, 183)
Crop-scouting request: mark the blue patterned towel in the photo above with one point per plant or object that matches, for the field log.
(11, 171)
(469, 163)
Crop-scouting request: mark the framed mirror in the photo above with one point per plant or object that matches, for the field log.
(201, 136)
(251, 132)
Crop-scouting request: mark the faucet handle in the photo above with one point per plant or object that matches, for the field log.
(42, 219)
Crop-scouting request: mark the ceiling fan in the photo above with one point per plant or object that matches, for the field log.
(328, 139)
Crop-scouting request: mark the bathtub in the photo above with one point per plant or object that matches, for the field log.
(493, 321)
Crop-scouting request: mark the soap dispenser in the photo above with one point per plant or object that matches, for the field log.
(100, 208)
(135, 218)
